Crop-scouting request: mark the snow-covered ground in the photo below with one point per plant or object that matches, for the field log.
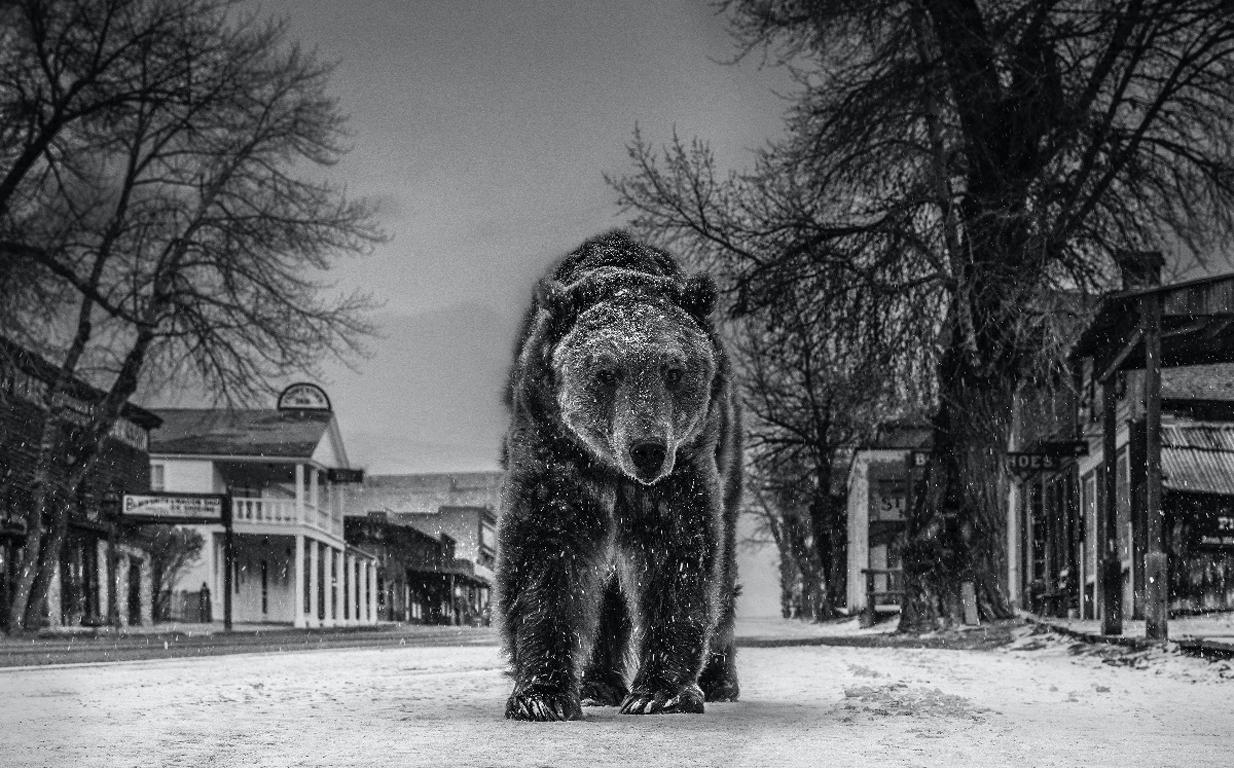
(1039, 702)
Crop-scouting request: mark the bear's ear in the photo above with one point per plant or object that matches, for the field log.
(553, 297)
(698, 296)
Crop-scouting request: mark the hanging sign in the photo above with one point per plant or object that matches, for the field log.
(1023, 461)
(303, 396)
(340, 476)
(182, 508)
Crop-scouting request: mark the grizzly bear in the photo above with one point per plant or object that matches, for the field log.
(623, 471)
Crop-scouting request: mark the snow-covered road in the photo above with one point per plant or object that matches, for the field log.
(1034, 703)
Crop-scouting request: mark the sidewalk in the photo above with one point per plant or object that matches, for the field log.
(1206, 634)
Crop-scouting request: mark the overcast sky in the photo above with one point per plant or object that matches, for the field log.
(482, 129)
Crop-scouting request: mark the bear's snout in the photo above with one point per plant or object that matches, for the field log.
(648, 459)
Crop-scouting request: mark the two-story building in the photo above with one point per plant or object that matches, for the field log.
(286, 472)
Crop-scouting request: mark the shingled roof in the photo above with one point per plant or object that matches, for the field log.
(257, 432)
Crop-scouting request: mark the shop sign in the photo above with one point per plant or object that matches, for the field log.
(1215, 530)
(303, 396)
(1023, 461)
(73, 410)
(918, 459)
(197, 508)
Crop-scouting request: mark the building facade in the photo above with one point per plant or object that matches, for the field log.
(879, 480)
(457, 509)
(286, 473)
(100, 577)
(1055, 528)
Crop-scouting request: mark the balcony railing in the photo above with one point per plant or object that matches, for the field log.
(283, 512)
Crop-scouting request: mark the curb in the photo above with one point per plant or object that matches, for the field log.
(1192, 646)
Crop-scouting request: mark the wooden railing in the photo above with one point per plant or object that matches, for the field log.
(892, 594)
(282, 512)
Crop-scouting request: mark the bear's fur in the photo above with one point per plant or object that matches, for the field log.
(616, 536)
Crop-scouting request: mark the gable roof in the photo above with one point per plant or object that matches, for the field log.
(252, 432)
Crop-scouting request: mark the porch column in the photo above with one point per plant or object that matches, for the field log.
(336, 558)
(297, 582)
(1110, 572)
(372, 592)
(1156, 597)
(353, 590)
(312, 473)
(300, 516)
(364, 592)
(314, 582)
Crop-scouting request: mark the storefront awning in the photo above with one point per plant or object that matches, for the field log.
(1198, 458)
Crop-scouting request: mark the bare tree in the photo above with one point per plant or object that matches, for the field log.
(979, 157)
(813, 385)
(171, 549)
(185, 226)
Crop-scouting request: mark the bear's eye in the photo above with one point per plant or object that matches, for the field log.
(606, 376)
(673, 375)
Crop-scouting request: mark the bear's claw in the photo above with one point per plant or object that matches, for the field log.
(645, 702)
(543, 707)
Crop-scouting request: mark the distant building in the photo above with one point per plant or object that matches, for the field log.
(286, 472)
(457, 509)
(81, 592)
(878, 498)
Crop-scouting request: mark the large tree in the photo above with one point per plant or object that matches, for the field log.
(970, 159)
(176, 209)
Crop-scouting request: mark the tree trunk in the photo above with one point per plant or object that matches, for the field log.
(42, 500)
(956, 530)
(53, 546)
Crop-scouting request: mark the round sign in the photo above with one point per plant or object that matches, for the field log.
(303, 396)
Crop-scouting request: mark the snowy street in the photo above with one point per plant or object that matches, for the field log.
(1035, 702)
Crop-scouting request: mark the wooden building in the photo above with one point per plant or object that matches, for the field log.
(99, 579)
(1136, 524)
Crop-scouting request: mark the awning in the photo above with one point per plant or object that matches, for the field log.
(1198, 458)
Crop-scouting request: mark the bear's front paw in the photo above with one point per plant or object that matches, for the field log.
(543, 707)
(644, 701)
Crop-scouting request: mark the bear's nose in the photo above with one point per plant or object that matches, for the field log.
(648, 457)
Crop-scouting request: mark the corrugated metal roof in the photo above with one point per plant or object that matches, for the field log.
(1198, 458)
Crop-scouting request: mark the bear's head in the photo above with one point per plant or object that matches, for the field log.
(634, 373)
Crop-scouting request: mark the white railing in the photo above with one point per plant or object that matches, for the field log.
(264, 511)
(282, 512)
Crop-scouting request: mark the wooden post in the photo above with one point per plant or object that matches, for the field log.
(1156, 567)
(1110, 571)
(314, 564)
(113, 577)
(229, 561)
(297, 581)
